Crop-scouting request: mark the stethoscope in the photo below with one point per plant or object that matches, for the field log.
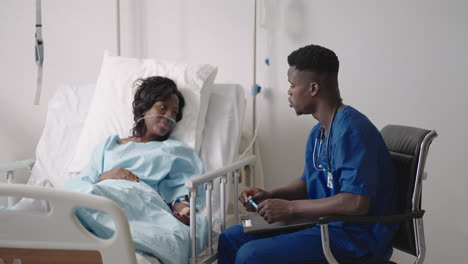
(322, 135)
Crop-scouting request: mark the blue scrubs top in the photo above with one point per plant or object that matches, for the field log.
(361, 164)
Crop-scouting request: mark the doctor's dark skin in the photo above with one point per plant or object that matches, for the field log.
(316, 94)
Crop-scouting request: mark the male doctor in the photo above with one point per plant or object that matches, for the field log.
(348, 171)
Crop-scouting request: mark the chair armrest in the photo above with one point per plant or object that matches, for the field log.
(15, 165)
(371, 219)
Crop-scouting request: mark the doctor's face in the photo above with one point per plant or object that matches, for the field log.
(157, 125)
(300, 93)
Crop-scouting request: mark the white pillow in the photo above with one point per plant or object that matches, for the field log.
(66, 114)
(223, 126)
(222, 133)
(110, 111)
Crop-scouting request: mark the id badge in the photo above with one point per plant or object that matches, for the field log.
(330, 180)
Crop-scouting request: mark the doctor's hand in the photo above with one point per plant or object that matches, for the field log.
(275, 210)
(118, 174)
(256, 194)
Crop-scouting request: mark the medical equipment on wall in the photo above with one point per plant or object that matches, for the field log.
(255, 89)
(39, 46)
(117, 17)
(39, 51)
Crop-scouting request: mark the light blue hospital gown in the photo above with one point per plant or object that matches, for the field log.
(163, 168)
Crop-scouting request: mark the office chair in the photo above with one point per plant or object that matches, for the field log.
(408, 148)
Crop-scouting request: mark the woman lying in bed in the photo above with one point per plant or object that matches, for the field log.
(157, 107)
(145, 174)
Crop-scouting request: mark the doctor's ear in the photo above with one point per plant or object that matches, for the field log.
(314, 87)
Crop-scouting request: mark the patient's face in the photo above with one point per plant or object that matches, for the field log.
(159, 126)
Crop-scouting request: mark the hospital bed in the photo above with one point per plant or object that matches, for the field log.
(47, 227)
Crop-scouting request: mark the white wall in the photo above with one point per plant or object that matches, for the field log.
(401, 62)
(209, 31)
(75, 34)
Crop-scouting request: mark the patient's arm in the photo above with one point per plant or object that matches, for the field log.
(181, 211)
(118, 174)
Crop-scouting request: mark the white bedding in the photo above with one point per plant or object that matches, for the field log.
(66, 113)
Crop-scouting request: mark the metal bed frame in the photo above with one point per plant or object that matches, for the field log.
(220, 176)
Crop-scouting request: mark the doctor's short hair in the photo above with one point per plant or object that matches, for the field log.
(314, 58)
(149, 91)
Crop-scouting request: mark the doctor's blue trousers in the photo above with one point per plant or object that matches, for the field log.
(306, 245)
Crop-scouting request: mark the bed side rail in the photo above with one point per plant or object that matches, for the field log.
(208, 180)
(60, 225)
(16, 165)
(9, 170)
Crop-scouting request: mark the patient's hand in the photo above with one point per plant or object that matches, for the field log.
(181, 211)
(118, 174)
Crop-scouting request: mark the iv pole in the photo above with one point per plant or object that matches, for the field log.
(39, 52)
(117, 16)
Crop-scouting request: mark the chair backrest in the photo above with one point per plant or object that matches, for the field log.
(408, 148)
